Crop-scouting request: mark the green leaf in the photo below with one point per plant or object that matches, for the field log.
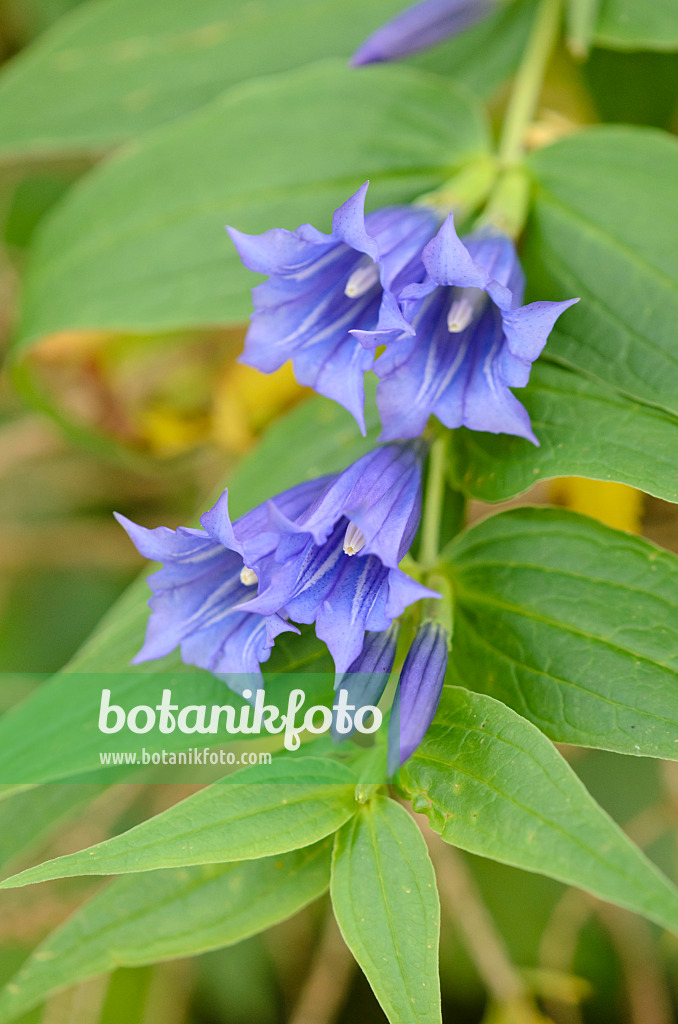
(116, 69)
(168, 914)
(27, 819)
(602, 229)
(585, 429)
(245, 816)
(386, 903)
(140, 243)
(492, 784)
(573, 624)
(638, 25)
(317, 437)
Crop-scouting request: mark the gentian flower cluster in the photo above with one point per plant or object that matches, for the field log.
(440, 321)
(419, 26)
(447, 310)
(326, 551)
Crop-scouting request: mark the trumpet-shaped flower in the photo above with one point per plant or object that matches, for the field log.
(336, 564)
(326, 551)
(199, 591)
(471, 340)
(419, 26)
(320, 287)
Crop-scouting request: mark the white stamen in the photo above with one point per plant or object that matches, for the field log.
(465, 307)
(248, 576)
(362, 279)
(354, 540)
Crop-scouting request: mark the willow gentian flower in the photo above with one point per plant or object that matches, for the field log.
(470, 341)
(367, 677)
(322, 286)
(337, 563)
(418, 694)
(326, 551)
(420, 26)
(199, 591)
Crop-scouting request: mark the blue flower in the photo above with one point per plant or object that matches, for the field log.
(325, 551)
(471, 340)
(199, 591)
(336, 564)
(367, 677)
(418, 694)
(420, 26)
(321, 287)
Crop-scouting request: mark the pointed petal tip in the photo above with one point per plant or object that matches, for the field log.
(140, 536)
(237, 237)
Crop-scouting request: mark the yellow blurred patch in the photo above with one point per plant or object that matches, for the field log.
(69, 345)
(245, 400)
(168, 433)
(613, 504)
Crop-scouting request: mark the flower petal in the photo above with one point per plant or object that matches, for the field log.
(422, 25)
(418, 694)
(527, 328)
(448, 261)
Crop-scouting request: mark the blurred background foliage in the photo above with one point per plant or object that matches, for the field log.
(147, 423)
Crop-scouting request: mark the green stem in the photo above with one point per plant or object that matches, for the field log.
(433, 506)
(528, 83)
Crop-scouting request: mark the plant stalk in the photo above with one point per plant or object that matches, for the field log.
(528, 82)
(433, 505)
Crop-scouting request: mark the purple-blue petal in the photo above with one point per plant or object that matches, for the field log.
(418, 694)
(312, 302)
(381, 494)
(235, 645)
(527, 328)
(366, 679)
(448, 261)
(497, 255)
(196, 599)
(348, 224)
(463, 376)
(278, 247)
(401, 232)
(457, 377)
(418, 27)
(251, 534)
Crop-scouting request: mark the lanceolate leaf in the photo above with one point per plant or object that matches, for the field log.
(254, 813)
(115, 69)
(600, 232)
(585, 427)
(315, 438)
(275, 152)
(386, 903)
(27, 819)
(167, 914)
(629, 25)
(492, 784)
(573, 624)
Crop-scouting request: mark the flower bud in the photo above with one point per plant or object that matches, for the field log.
(420, 26)
(367, 677)
(418, 694)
